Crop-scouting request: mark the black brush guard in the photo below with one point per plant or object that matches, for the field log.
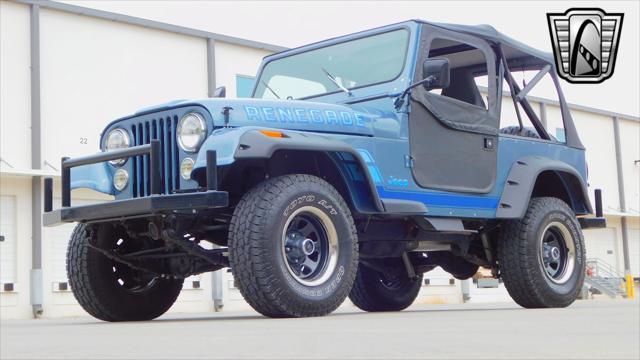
(208, 198)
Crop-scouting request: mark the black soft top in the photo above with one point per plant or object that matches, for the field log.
(513, 48)
(518, 56)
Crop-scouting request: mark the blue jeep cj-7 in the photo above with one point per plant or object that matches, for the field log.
(359, 164)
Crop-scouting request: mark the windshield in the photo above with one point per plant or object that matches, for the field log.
(341, 67)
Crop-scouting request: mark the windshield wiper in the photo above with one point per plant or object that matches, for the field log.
(270, 89)
(336, 82)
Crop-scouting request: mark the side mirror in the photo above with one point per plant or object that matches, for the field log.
(220, 92)
(438, 70)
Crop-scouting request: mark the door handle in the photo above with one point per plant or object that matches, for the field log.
(489, 143)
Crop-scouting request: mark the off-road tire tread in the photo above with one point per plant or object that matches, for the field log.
(247, 253)
(82, 289)
(519, 269)
(78, 278)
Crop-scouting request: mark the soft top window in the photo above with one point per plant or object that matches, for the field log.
(459, 54)
(535, 75)
(543, 88)
(466, 64)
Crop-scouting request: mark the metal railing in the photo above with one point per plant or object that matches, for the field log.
(602, 269)
(604, 277)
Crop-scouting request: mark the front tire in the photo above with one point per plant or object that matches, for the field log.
(377, 290)
(109, 290)
(542, 256)
(293, 247)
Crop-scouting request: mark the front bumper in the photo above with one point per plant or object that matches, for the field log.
(597, 222)
(592, 223)
(146, 206)
(209, 198)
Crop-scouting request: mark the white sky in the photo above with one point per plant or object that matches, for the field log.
(295, 23)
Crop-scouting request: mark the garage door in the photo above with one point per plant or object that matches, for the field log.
(7, 239)
(634, 252)
(601, 244)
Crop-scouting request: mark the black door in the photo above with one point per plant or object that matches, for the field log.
(453, 131)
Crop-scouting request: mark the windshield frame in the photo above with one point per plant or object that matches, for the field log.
(336, 41)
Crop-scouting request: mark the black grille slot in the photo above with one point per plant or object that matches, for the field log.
(162, 129)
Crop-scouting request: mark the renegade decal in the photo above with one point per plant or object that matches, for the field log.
(304, 116)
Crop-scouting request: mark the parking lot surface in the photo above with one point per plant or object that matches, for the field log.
(587, 329)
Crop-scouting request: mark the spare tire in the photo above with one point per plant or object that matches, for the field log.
(517, 131)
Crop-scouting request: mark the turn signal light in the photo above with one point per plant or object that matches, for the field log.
(273, 133)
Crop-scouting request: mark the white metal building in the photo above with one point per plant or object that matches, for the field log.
(66, 71)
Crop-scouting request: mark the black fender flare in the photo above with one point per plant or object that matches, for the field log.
(522, 178)
(255, 145)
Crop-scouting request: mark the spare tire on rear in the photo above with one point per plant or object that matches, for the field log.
(517, 131)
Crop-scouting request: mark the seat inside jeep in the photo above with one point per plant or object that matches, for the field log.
(463, 87)
(468, 76)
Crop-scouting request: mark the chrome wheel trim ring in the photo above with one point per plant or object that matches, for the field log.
(331, 249)
(557, 232)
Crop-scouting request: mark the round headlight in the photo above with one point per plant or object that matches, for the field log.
(120, 179)
(117, 139)
(186, 166)
(192, 129)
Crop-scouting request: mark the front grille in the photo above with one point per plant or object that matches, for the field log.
(163, 129)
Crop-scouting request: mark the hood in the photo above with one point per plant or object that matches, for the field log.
(281, 114)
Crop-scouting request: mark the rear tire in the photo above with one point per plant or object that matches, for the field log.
(373, 291)
(293, 247)
(542, 255)
(112, 291)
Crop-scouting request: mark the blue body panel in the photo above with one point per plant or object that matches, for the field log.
(96, 177)
(367, 121)
(395, 181)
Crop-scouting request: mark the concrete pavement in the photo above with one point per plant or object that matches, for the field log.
(587, 329)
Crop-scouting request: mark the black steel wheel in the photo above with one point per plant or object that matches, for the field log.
(310, 246)
(557, 252)
(133, 281)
